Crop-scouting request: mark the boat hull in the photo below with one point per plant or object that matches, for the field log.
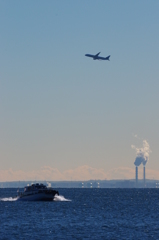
(37, 197)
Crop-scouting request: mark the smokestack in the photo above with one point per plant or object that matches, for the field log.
(136, 176)
(142, 156)
(144, 176)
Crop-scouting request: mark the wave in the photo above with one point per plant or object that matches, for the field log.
(61, 198)
(9, 199)
(57, 198)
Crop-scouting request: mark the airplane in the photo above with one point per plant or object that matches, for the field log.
(96, 57)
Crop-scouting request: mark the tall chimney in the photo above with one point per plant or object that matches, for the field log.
(136, 176)
(144, 176)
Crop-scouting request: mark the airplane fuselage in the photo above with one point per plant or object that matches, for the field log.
(92, 56)
(96, 57)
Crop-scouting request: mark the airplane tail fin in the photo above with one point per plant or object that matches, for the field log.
(107, 58)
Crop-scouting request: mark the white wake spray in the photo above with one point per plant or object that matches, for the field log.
(9, 199)
(61, 198)
(57, 198)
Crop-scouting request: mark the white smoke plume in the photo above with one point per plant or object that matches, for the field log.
(142, 153)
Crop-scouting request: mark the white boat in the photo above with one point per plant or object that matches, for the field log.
(37, 192)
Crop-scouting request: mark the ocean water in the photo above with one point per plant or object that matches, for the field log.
(82, 214)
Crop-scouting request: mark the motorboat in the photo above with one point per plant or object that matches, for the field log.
(37, 192)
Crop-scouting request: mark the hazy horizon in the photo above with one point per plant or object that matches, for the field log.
(82, 173)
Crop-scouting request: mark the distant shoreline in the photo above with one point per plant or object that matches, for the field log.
(86, 184)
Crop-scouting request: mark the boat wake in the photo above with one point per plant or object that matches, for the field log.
(61, 198)
(9, 199)
(57, 198)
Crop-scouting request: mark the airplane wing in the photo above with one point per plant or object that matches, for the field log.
(97, 54)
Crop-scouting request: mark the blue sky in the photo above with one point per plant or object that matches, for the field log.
(61, 109)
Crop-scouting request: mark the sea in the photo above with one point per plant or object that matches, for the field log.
(88, 213)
